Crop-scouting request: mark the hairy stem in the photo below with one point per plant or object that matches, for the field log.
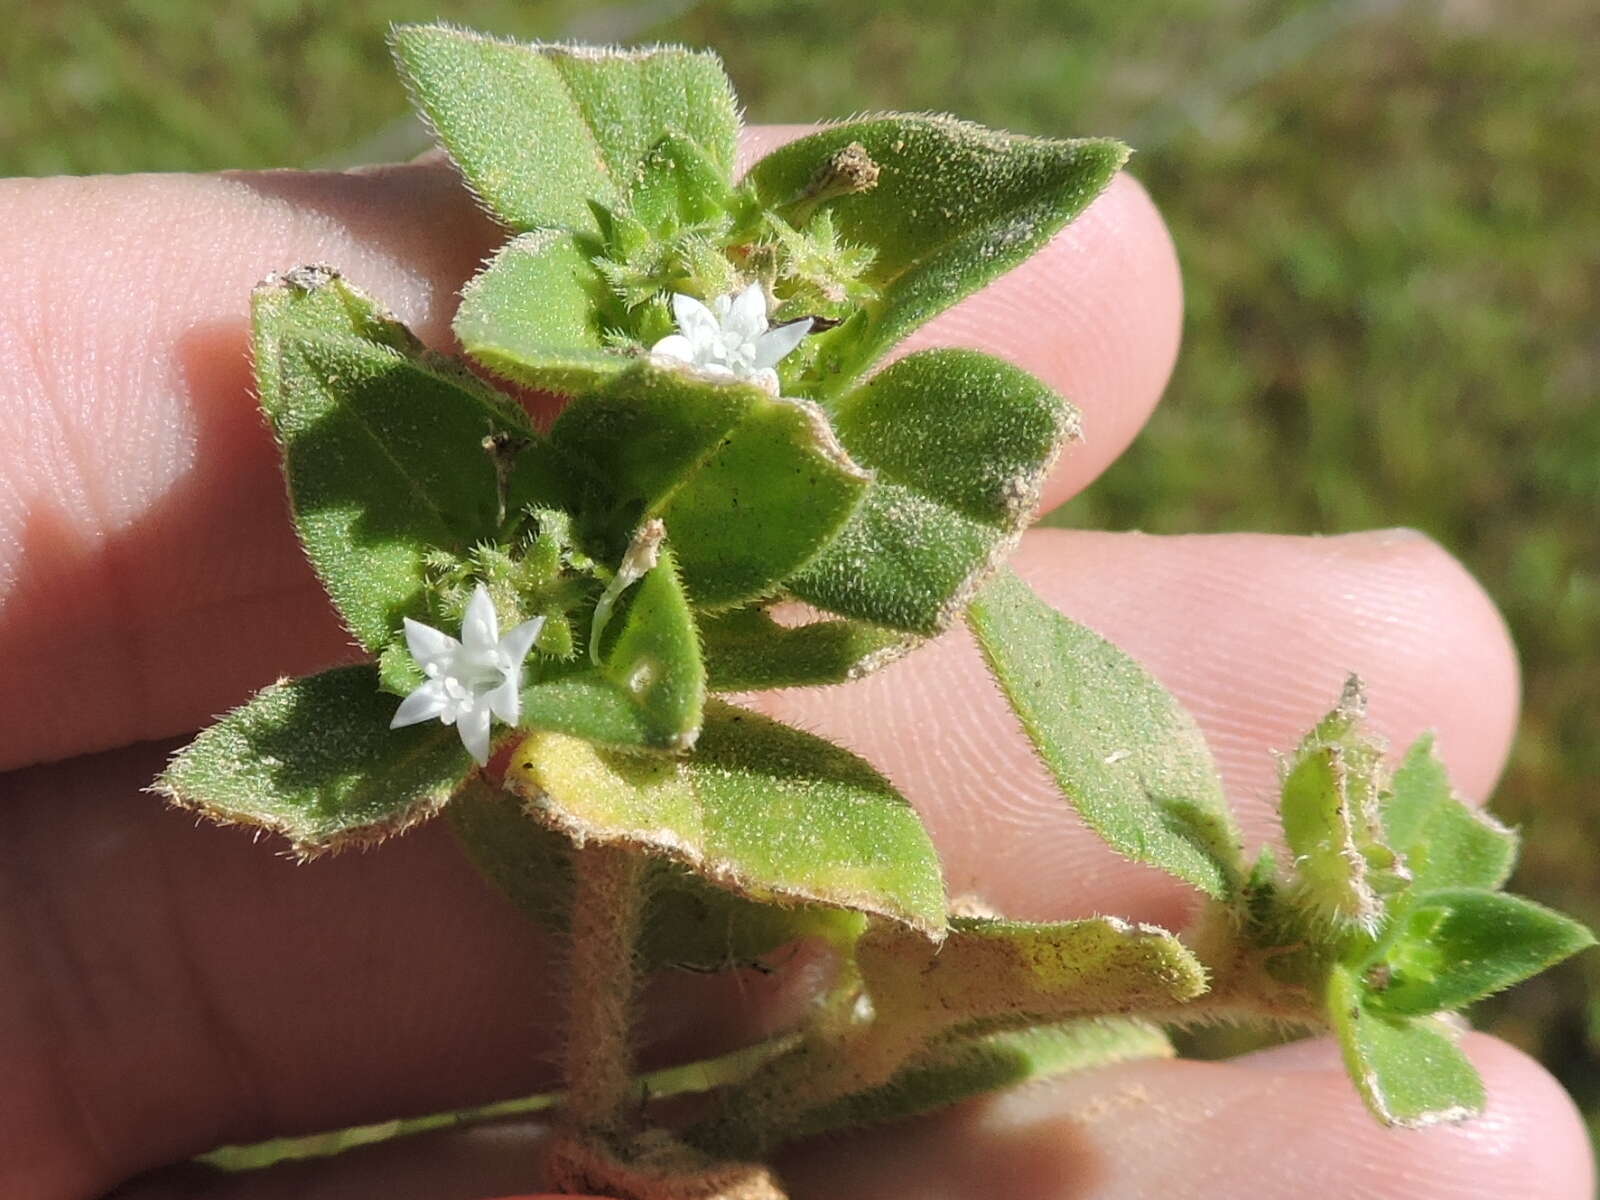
(607, 902)
(1278, 978)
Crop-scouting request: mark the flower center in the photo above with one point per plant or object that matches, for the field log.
(476, 670)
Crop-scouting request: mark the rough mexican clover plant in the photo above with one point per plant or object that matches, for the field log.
(553, 620)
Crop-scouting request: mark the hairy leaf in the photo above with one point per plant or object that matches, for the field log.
(960, 444)
(678, 185)
(953, 206)
(383, 446)
(535, 314)
(649, 686)
(1450, 948)
(1445, 842)
(646, 431)
(1137, 769)
(762, 505)
(582, 701)
(750, 486)
(989, 975)
(540, 131)
(763, 810)
(314, 759)
(653, 652)
(687, 922)
(746, 650)
(1407, 1069)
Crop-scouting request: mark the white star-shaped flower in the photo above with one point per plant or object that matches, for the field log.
(731, 337)
(470, 681)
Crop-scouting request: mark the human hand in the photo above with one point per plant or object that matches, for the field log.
(168, 987)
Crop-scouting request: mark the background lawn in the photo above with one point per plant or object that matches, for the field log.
(1389, 216)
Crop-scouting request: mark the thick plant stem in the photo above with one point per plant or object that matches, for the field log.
(607, 902)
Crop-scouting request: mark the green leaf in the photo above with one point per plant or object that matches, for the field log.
(314, 759)
(746, 650)
(1407, 1070)
(540, 131)
(1419, 789)
(382, 445)
(953, 207)
(1445, 842)
(1344, 869)
(763, 810)
(763, 504)
(750, 486)
(649, 688)
(989, 975)
(646, 431)
(535, 314)
(1121, 748)
(960, 444)
(687, 923)
(968, 1066)
(582, 701)
(653, 652)
(678, 186)
(1450, 948)
(965, 429)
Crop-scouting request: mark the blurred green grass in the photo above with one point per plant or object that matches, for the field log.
(1388, 214)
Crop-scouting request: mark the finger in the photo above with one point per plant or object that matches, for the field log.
(1255, 634)
(412, 988)
(170, 988)
(149, 577)
(141, 510)
(1285, 1124)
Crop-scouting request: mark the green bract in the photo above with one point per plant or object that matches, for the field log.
(738, 495)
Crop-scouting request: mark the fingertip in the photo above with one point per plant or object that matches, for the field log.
(1531, 1131)
(1448, 647)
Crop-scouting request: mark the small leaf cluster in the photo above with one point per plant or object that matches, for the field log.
(668, 527)
(1390, 917)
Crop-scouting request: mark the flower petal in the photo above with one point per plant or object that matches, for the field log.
(505, 701)
(429, 645)
(428, 701)
(747, 316)
(473, 726)
(775, 344)
(518, 641)
(675, 345)
(480, 628)
(766, 379)
(697, 322)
